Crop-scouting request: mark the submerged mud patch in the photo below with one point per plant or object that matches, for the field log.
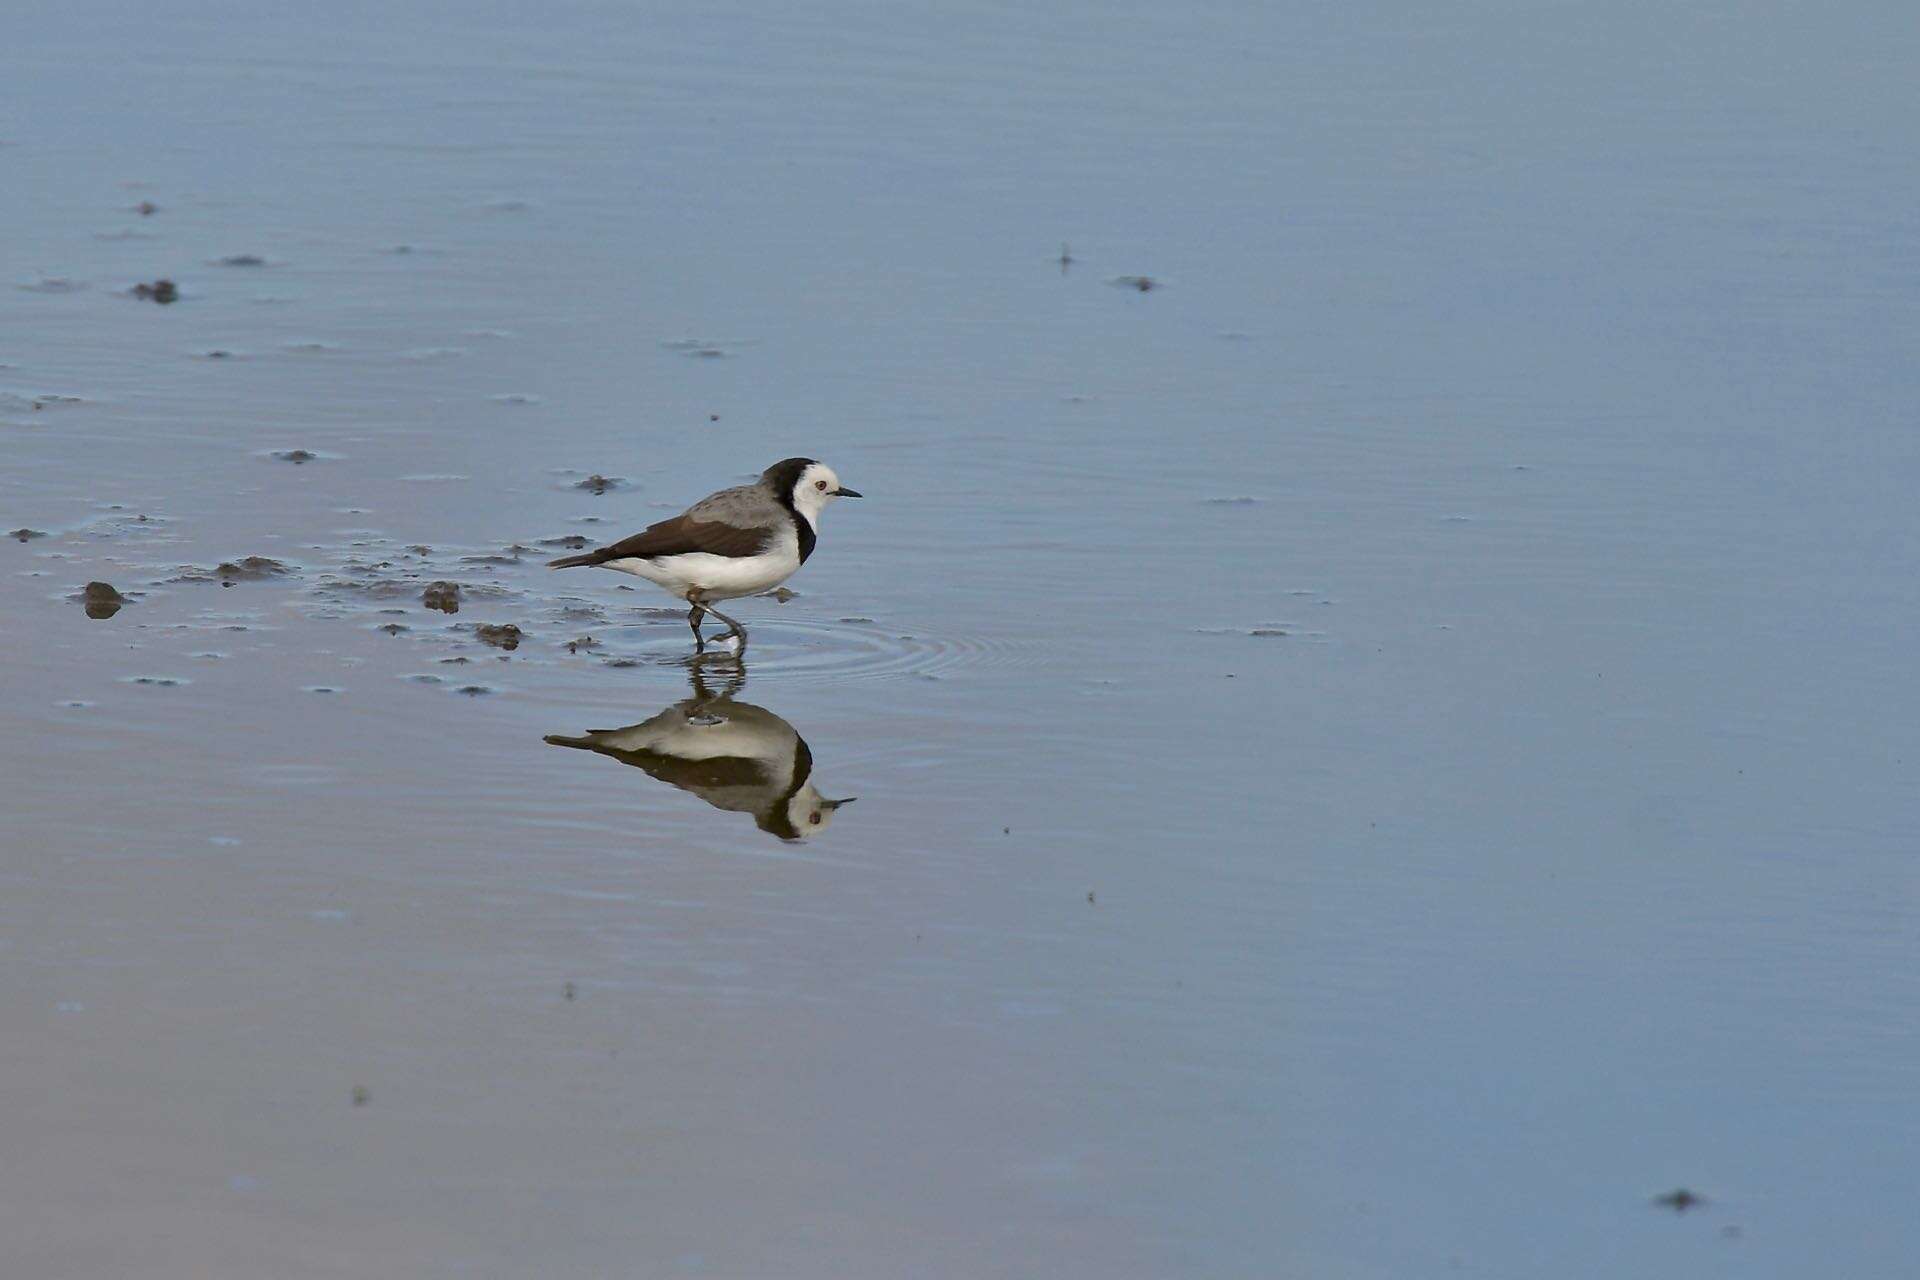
(442, 595)
(503, 636)
(703, 348)
(250, 569)
(14, 401)
(228, 572)
(26, 535)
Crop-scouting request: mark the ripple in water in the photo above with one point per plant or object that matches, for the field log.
(806, 649)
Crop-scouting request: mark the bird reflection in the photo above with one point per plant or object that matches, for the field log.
(733, 755)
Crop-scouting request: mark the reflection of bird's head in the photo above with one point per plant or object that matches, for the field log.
(805, 813)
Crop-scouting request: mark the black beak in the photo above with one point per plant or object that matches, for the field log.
(848, 493)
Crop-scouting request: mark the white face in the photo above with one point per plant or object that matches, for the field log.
(818, 486)
(810, 812)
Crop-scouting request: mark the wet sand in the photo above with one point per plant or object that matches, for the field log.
(1374, 686)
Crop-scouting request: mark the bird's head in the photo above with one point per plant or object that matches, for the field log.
(807, 484)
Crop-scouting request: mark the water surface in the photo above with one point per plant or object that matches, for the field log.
(1376, 756)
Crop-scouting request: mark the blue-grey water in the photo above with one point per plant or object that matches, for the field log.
(1375, 756)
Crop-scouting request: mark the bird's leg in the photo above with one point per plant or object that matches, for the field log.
(734, 628)
(693, 620)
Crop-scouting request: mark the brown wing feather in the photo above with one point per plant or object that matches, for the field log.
(683, 534)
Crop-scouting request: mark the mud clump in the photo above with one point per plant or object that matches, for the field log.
(506, 636)
(571, 541)
(1139, 284)
(598, 484)
(582, 642)
(160, 291)
(250, 569)
(241, 260)
(444, 596)
(26, 535)
(101, 599)
(146, 208)
(295, 456)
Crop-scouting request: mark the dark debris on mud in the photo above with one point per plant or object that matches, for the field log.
(101, 599)
(161, 291)
(1679, 1200)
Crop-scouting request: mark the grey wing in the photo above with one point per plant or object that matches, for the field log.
(747, 506)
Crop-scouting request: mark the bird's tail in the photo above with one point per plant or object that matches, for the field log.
(574, 562)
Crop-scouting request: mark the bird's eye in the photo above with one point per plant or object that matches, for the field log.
(819, 484)
(814, 818)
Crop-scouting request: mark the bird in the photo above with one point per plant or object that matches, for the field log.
(737, 542)
(734, 755)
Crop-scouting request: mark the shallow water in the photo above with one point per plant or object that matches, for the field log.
(1375, 756)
